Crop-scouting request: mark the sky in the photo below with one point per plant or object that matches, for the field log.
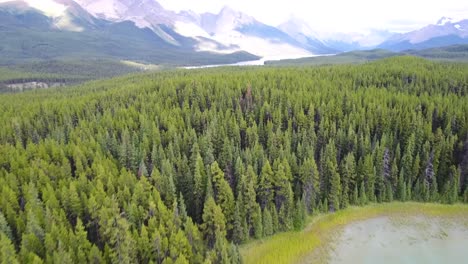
(337, 15)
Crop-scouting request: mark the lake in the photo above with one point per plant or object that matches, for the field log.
(415, 239)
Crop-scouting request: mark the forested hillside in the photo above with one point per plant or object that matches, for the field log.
(454, 53)
(17, 77)
(182, 166)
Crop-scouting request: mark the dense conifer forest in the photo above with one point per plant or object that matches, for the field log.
(183, 166)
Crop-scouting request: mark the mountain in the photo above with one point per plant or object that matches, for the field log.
(231, 30)
(144, 30)
(63, 29)
(304, 34)
(225, 32)
(445, 32)
(450, 53)
(144, 13)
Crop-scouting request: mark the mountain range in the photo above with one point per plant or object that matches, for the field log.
(143, 30)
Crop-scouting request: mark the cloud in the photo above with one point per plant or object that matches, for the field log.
(337, 15)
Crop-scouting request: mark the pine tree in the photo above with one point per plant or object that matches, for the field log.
(142, 170)
(248, 183)
(182, 209)
(265, 186)
(331, 177)
(369, 177)
(200, 182)
(348, 179)
(7, 250)
(80, 244)
(267, 223)
(121, 242)
(234, 255)
(214, 222)
(223, 194)
(299, 215)
(355, 199)
(258, 223)
(407, 159)
(402, 187)
(335, 188)
(310, 183)
(5, 228)
(453, 189)
(389, 192)
(363, 195)
(33, 238)
(238, 228)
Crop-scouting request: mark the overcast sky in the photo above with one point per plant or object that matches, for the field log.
(337, 15)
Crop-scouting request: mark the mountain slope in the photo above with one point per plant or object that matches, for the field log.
(303, 33)
(448, 53)
(444, 33)
(242, 32)
(353, 57)
(28, 33)
(225, 32)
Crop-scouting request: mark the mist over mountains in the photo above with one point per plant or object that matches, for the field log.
(144, 30)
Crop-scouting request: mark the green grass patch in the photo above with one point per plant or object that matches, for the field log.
(295, 247)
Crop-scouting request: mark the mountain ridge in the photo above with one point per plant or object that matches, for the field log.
(226, 32)
(40, 39)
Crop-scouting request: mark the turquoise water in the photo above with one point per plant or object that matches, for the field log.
(411, 240)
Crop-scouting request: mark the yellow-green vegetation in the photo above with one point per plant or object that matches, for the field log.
(293, 247)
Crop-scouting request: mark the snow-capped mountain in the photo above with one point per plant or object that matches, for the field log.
(64, 14)
(444, 32)
(228, 19)
(348, 41)
(144, 13)
(226, 32)
(444, 20)
(240, 31)
(62, 29)
(304, 34)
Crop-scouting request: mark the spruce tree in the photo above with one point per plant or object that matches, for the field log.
(267, 222)
(214, 222)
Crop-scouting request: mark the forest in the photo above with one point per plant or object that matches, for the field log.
(14, 78)
(184, 166)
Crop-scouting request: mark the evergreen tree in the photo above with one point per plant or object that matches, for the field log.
(369, 177)
(335, 187)
(199, 187)
(310, 183)
(363, 195)
(238, 228)
(5, 228)
(214, 222)
(267, 223)
(265, 186)
(299, 215)
(258, 223)
(402, 191)
(223, 194)
(7, 250)
(348, 179)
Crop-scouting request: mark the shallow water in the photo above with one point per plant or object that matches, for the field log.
(402, 240)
